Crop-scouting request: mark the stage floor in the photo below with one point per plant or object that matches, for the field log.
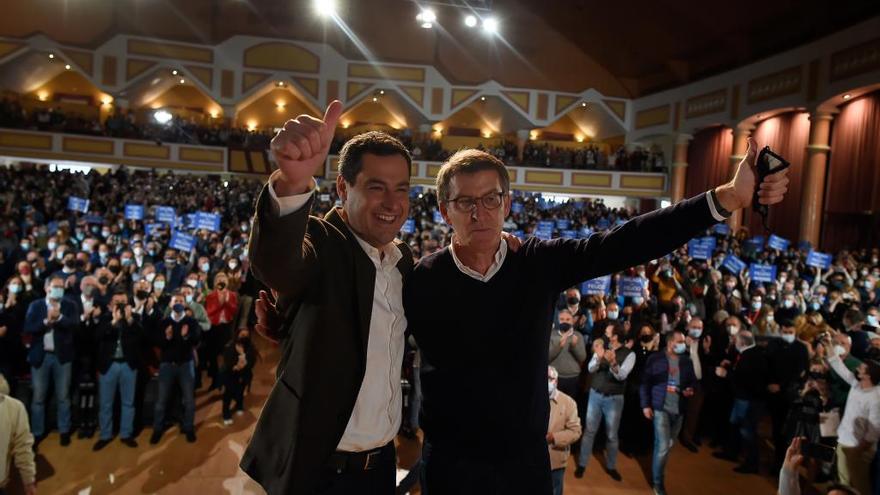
(210, 466)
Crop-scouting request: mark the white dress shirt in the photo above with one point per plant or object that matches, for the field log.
(500, 255)
(861, 418)
(623, 370)
(377, 412)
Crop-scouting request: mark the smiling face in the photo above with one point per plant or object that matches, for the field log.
(377, 204)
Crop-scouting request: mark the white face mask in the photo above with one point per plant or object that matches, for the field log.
(788, 337)
(159, 285)
(872, 320)
(695, 332)
(770, 318)
(150, 276)
(788, 303)
(551, 387)
(732, 329)
(839, 350)
(756, 305)
(612, 315)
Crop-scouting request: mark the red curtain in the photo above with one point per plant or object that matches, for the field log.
(788, 135)
(852, 196)
(708, 160)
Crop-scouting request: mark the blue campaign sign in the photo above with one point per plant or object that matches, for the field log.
(568, 234)
(755, 243)
(698, 250)
(516, 207)
(166, 214)
(187, 221)
(519, 233)
(585, 233)
(817, 259)
(733, 264)
(545, 225)
(631, 286)
(134, 212)
(563, 224)
(762, 273)
(721, 228)
(597, 286)
(776, 242)
(409, 226)
(544, 235)
(414, 191)
(182, 241)
(77, 204)
(94, 219)
(207, 221)
(153, 227)
(438, 217)
(603, 224)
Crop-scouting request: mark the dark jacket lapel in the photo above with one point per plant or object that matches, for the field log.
(364, 276)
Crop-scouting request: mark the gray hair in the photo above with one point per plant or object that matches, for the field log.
(552, 373)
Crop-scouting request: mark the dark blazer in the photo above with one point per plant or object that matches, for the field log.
(751, 373)
(132, 339)
(655, 377)
(326, 281)
(63, 331)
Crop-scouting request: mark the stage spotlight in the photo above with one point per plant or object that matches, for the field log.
(490, 25)
(174, 72)
(427, 17)
(482, 98)
(162, 116)
(325, 8)
(51, 56)
(470, 21)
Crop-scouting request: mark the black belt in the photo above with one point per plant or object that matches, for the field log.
(368, 460)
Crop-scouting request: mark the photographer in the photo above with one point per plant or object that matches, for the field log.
(120, 337)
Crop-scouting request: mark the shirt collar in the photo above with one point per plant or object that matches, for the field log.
(500, 256)
(392, 254)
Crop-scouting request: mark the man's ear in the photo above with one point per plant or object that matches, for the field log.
(341, 188)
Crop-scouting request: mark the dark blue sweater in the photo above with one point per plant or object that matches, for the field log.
(655, 377)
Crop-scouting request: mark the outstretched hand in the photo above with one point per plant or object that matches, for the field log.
(739, 192)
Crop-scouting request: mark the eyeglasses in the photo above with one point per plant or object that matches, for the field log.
(467, 204)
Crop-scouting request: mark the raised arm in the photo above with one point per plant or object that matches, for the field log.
(282, 249)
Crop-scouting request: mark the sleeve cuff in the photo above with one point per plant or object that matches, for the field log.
(713, 208)
(289, 204)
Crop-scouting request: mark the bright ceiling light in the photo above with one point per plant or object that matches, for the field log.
(427, 17)
(325, 8)
(162, 116)
(490, 25)
(174, 72)
(67, 66)
(470, 21)
(182, 81)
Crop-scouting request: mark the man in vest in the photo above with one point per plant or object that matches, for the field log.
(609, 369)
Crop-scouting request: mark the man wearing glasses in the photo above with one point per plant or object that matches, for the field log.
(482, 315)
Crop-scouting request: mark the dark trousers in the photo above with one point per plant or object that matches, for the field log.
(778, 406)
(233, 390)
(691, 430)
(209, 351)
(450, 473)
(380, 480)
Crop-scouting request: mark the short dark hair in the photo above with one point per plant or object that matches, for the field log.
(873, 371)
(470, 161)
(373, 142)
(618, 330)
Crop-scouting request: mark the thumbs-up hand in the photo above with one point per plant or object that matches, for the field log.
(300, 147)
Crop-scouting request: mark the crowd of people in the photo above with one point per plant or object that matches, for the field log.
(97, 302)
(123, 124)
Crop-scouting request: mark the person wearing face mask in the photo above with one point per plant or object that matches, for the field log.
(90, 306)
(789, 308)
(789, 361)
(29, 281)
(667, 382)
(749, 374)
(71, 271)
(636, 435)
(160, 293)
(854, 325)
(139, 256)
(699, 351)
(572, 301)
(859, 428)
(51, 322)
(756, 304)
(840, 345)
(177, 336)
(568, 352)
(222, 307)
(234, 273)
(564, 429)
(606, 315)
(174, 272)
(12, 312)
